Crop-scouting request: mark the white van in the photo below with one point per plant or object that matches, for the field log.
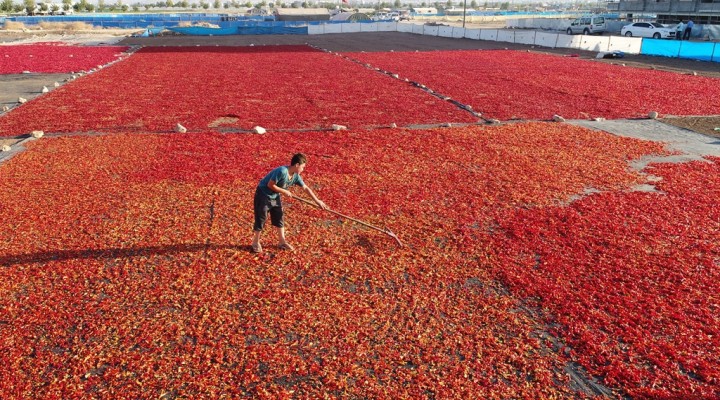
(587, 26)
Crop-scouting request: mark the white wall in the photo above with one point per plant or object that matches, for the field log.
(525, 37)
(504, 35)
(388, 27)
(373, 27)
(629, 45)
(445, 31)
(333, 28)
(594, 43)
(405, 27)
(488, 34)
(472, 34)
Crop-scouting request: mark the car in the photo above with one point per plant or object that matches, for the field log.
(587, 26)
(649, 30)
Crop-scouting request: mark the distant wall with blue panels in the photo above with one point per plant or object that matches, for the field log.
(128, 21)
(703, 51)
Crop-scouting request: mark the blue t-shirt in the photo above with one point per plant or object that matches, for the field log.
(282, 179)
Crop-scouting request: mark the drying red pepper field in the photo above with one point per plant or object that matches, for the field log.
(532, 267)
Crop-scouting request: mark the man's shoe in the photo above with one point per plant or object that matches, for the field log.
(286, 246)
(257, 248)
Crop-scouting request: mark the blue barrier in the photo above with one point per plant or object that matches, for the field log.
(681, 49)
(132, 21)
(660, 47)
(697, 51)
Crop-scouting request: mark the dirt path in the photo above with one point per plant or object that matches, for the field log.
(399, 41)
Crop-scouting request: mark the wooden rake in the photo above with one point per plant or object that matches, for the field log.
(385, 231)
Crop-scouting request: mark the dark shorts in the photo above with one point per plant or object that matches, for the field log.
(265, 205)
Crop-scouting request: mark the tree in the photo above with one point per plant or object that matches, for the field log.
(194, 5)
(449, 4)
(248, 4)
(184, 4)
(204, 4)
(6, 5)
(147, 7)
(29, 6)
(505, 5)
(101, 5)
(55, 8)
(217, 4)
(473, 4)
(397, 3)
(169, 3)
(124, 7)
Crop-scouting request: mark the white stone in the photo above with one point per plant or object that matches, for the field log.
(180, 129)
(6, 108)
(259, 130)
(337, 127)
(6, 148)
(396, 76)
(45, 89)
(22, 100)
(37, 134)
(598, 119)
(393, 125)
(56, 84)
(558, 118)
(653, 115)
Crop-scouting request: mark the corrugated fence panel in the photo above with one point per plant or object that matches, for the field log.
(418, 29)
(458, 32)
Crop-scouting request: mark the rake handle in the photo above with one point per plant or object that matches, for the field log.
(387, 232)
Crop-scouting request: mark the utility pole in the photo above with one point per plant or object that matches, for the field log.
(464, 8)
